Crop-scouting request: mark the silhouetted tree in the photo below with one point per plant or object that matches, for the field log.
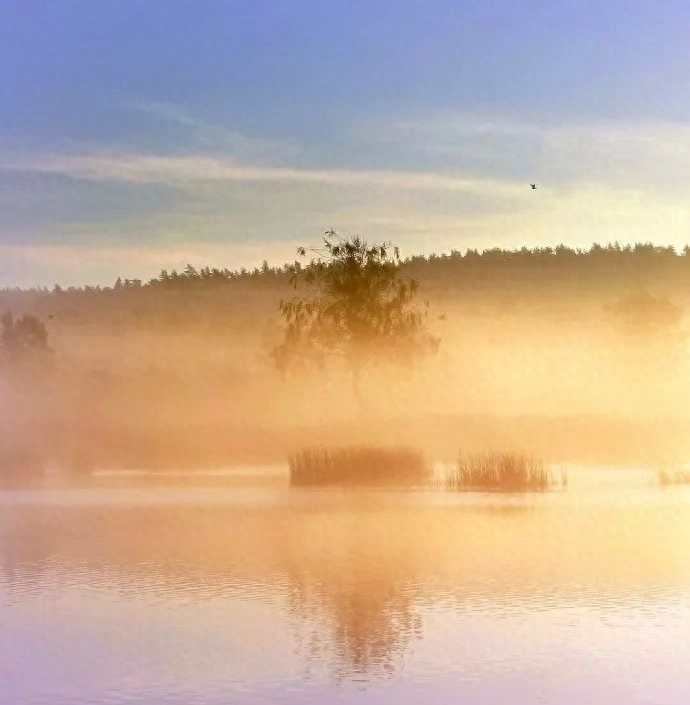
(24, 340)
(360, 308)
(642, 314)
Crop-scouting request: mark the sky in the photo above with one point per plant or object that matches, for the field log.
(142, 134)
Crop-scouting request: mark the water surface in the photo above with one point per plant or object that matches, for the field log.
(232, 588)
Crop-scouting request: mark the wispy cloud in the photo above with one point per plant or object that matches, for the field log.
(141, 168)
(450, 153)
(210, 136)
(614, 154)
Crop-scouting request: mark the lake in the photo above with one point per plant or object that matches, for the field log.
(231, 587)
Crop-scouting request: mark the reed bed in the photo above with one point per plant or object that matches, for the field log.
(501, 471)
(357, 465)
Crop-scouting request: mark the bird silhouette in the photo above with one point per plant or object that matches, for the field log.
(50, 317)
(534, 186)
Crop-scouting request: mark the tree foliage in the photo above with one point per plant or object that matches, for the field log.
(24, 341)
(359, 307)
(645, 316)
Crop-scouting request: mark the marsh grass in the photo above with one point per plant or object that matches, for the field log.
(357, 465)
(505, 471)
(674, 477)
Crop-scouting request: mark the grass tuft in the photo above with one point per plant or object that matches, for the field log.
(501, 471)
(674, 477)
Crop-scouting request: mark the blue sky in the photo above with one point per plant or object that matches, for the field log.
(137, 134)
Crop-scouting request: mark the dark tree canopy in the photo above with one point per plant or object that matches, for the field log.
(24, 340)
(644, 315)
(359, 307)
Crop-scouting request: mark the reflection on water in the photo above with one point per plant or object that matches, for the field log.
(237, 590)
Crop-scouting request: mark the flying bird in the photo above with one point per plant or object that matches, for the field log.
(534, 186)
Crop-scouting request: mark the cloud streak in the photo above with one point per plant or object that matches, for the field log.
(211, 136)
(644, 155)
(442, 151)
(185, 170)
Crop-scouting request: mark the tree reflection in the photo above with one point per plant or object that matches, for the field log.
(364, 619)
(350, 573)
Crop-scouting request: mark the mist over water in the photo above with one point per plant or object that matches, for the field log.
(577, 357)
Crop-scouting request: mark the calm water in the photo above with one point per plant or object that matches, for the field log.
(231, 589)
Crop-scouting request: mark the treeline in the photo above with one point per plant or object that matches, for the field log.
(598, 259)
(211, 296)
(190, 276)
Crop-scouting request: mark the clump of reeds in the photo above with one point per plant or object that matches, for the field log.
(674, 477)
(501, 471)
(357, 465)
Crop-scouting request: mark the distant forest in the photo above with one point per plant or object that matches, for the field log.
(547, 279)
(472, 267)
(612, 260)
